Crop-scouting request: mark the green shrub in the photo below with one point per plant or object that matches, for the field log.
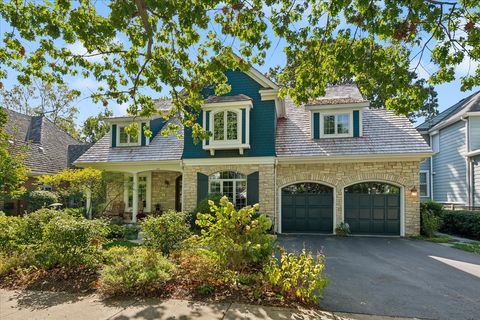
(165, 232)
(462, 223)
(203, 207)
(432, 206)
(131, 232)
(429, 220)
(199, 267)
(12, 234)
(75, 212)
(116, 231)
(40, 199)
(297, 277)
(342, 229)
(135, 271)
(240, 238)
(69, 242)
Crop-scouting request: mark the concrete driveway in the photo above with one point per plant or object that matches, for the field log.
(396, 277)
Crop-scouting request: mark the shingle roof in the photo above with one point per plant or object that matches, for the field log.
(468, 104)
(160, 148)
(383, 133)
(220, 99)
(339, 94)
(47, 145)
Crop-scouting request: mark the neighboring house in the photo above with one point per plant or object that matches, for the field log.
(49, 150)
(452, 175)
(309, 167)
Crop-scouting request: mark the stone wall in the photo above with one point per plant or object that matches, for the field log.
(163, 189)
(340, 175)
(266, 183)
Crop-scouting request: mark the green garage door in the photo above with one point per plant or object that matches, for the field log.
(307, 208)
(373, 208)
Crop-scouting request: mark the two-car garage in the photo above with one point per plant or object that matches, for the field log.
(370, 208)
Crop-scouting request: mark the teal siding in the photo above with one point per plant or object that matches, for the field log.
(156, 125)
(262, 122)
(143, 138)
(356, 123)
(114, 135)
(316, 125)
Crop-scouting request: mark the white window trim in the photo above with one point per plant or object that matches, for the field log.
(427, 173)
(435, 134)
(228, 144)
(336, 113)
(130, 144)
(225, 139)
(210, 179)
(149, 191)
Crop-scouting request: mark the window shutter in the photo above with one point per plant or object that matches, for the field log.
(114, 135)
(252, 188)
(356, 123)
(202, 186)
(143, 139)
(316, 125)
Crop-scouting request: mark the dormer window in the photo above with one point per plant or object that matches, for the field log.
(227, 119)
(124, 138)
(337, 125)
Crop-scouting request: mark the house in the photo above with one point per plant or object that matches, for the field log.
(452, 174)
(49, 150)
(309, 167)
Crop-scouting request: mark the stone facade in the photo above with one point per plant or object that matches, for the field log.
(340, 175)
(266, 183)
(163, 189)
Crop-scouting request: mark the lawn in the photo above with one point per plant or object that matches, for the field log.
(470, 247)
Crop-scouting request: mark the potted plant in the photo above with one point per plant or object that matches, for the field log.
(342, 229)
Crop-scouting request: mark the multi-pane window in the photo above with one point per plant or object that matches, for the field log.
(338, 124)
(125, 138)
(424, 189)
(232, 185)
(225, 126)
(142, 192)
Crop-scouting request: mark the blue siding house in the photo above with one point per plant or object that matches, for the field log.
(309, 167)
(452, 175)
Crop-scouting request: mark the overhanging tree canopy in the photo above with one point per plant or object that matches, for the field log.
(137, 47)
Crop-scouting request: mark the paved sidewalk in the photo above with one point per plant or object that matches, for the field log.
(50, 305)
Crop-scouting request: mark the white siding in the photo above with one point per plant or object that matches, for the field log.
(474, 127)
(449, 166)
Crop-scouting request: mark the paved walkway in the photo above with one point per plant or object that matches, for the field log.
(33, 305)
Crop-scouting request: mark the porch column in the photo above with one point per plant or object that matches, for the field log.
(135, 198)
(88, 194)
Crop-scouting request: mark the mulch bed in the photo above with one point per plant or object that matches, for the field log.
(85, 281)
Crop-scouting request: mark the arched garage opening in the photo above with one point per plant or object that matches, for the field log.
(373, 208)
(307, 207)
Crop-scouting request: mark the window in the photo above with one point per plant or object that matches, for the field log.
(336, 125)
(124, 138)
(436, 143)
(231, 184)
(424, 186)
(143, 193)
(225, 126)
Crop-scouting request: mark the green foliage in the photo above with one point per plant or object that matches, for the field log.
(298, 276)
(379, 44)
(95, 127)
(40, 199)
(342, 229)
(203, 207)
(13, 172)
(462, 223)
(469, 247)
(52, 238)
(120, 243)
(75, 212)
(240, 238)
(165, 232)
(70, 242)
(131, 232)
(135, 271)
(429, 221)
(199, 267)
(206, 290)
(116, 231)
(432, 206)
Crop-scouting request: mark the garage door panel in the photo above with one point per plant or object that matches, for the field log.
(372, 208)
(308, 209)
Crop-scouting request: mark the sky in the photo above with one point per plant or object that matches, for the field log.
(448, 94)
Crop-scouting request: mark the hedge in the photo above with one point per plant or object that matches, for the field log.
(462, 223)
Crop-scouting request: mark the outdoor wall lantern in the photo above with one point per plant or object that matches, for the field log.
(413, 191)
